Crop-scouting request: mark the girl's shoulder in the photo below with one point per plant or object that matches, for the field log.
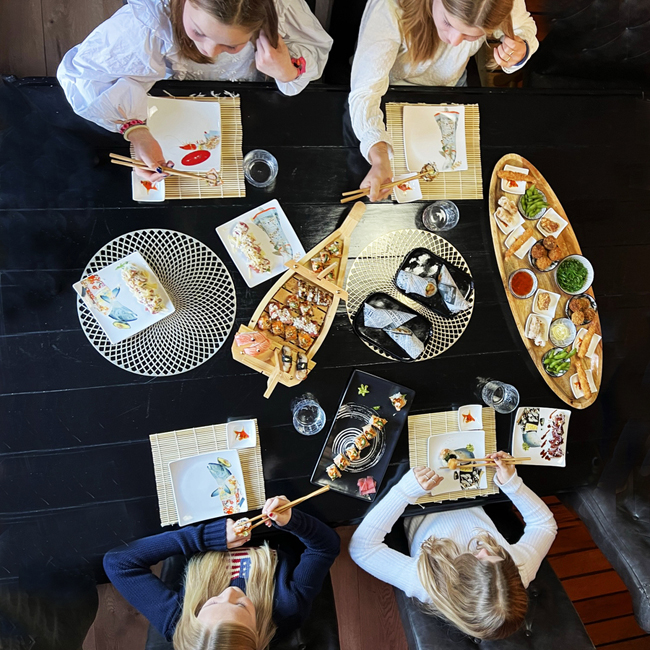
(153, 14)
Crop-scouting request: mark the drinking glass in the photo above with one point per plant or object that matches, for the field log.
(440, 215)
(260, 168)
(308, 416)
(503, 398)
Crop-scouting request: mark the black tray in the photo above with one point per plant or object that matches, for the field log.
(419, 325)
(353, 414)
(462, 279)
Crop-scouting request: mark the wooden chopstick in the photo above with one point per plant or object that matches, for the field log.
(364, 191)
(134, 162)
(264, 518)
(509, 461)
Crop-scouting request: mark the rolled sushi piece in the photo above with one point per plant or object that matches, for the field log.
(370, 432)
(398, 400)
(341, 462)
(378, 423)
(361, 442)
(352, 453)
(333, 472)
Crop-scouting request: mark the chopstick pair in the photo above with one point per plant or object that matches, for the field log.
(210, 177)
(354, 195)
(489, 462)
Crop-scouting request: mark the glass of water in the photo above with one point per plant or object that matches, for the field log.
(440, 215)
(308, 416)
(503, 398)
(260, 168)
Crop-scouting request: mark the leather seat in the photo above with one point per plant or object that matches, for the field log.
(551, 622)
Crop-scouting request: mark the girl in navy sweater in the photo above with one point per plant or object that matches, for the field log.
(230, 599)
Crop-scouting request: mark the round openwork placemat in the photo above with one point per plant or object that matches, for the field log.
(375, 268)
(198, 284)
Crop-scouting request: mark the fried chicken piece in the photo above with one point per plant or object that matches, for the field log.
(543, 263)
(578, 318)
(555, 254)
(574, 304)
(550, 243)
(589, 314)
(584, 303)
(538, 251)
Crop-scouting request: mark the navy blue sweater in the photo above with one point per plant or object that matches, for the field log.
(297, 580)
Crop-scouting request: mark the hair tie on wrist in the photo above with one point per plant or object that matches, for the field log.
(300, 64)
(130, 125)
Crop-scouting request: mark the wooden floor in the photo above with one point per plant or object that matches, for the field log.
(598, 594)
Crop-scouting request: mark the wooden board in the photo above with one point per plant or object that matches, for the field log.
(268, 363)
(522, 308)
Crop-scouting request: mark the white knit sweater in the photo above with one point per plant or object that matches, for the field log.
(382, 59)
(368, 550)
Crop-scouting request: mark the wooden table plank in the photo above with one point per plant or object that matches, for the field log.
(21, 33)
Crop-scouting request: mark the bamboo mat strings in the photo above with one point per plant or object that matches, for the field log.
(466, 184)
(174, 445)
(421, 427)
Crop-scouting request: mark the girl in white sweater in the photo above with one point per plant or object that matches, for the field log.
(460, 568)
(428, 43)
(107, 77)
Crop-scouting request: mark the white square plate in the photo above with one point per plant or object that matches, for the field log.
(595, 340)
(553, 216)
(423, 138)
(520, 186)
(115, 307)
(522, 251)
(532, 435)
(276, 257)
(194, 485)
(555, 297)
(470, 417)
(514, 235)
(506, 230)
(575, 384)
(547, 324)
(248, 426)
(188, 131)
(144, 191)
(413, 193)
(459, 440)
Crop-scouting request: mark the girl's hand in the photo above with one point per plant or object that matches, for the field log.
(232, 540)
(510, 52)
(427, 478)
(274, 62)
(505, 471)
(147, 149)
(379, 173)
(280, 518)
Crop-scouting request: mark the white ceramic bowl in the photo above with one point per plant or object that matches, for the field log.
(590, 274)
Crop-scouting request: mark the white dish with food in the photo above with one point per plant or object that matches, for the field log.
(522, 251)
(541, 433)
(407, 192)
(562, 332)
(470, 417)
(595, 340)
(507, 216)
(546, 227)
(146, 191)
(545, 302)
(514, 187)
(537, 328)
(514, 235)
(575, 384)
(589, 279)
(241, 434)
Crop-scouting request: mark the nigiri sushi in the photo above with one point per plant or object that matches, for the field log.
(341, 461)
(287, 358)
(301, 366)
(333, 472)
(352, 453)
(254, 343)
(361, 442)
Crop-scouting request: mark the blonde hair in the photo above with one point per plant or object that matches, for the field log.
(207, 575)
(255, 15)
(484, 599)
(419, 28)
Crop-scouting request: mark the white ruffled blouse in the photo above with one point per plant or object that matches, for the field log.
(122, 59)
(381, 60)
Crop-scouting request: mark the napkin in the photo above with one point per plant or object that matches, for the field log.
(412, 283)
(449, 292)
(410, 343)
(392, 322)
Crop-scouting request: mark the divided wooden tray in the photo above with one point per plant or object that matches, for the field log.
(269, 362)
(522, 308)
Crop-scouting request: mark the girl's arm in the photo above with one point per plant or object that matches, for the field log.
(526, 28)
(308, 43)
(114, 67)
(379, 43)
(128, 568)
(367, 546)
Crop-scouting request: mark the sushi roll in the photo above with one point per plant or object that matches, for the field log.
(352, 453)
(242, 527)
(293, 302)
(287, 358)
(290, 334)
(302, 290)
(273, 309)
(322, 298)
(306, 309)
(264, 323)
(398, 400)
(333, 472)
(285, 316)
(341, 461)
(304, 340)
(316, 264)
(324, 257)
(301, 366)
(334, 249)
(361, 442)
(370, 432)
(378, 423)
(277, 327)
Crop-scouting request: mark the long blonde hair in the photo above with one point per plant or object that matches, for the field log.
(255, 15)
(482, 598)
(419, 28)
(207, 575)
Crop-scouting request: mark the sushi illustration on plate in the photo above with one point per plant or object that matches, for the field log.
(269, 222)
(104, 301)
(455, 459)
(227, 486)
(447, 123)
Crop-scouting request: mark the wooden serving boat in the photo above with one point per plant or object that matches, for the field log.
(325, 288)
(521, 308)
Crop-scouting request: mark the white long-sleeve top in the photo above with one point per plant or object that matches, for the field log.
(382, 59)
(368, 550)
(122, 59)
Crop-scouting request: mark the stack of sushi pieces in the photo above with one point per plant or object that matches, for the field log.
(353, 452)
(391, 321)
(367, 486)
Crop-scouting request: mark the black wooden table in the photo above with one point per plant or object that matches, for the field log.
(76, 474)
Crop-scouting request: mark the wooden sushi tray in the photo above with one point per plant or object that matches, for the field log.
(521, 308)
(269, 361)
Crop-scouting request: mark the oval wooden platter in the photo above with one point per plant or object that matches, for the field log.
(268, 363)
(521, 308)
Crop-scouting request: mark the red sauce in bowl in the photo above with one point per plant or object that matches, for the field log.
(521, 283)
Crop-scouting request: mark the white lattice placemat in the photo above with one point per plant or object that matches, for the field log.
(374, 270)
(198, 284)
(421, 427)
(173, 445)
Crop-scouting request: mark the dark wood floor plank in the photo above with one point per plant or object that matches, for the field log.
(21, 34)
(617, 629)
(598, 584)
(604, 607)
(571, 539)
(642, 643)
(580, 563)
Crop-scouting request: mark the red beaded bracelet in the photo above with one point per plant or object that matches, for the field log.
(127, 125)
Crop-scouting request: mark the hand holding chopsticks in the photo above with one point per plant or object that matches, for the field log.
(471, 463)
(211, 177)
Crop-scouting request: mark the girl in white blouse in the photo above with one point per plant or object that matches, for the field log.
(460, 567)
(428, 43)
(107, 77)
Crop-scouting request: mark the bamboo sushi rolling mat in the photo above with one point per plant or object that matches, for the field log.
(421, 427)
(174, 445)
(232, 158)
(466, 184)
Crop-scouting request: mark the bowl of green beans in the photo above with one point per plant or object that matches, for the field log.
(557, 361)
(532, 203)
(574, 274)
